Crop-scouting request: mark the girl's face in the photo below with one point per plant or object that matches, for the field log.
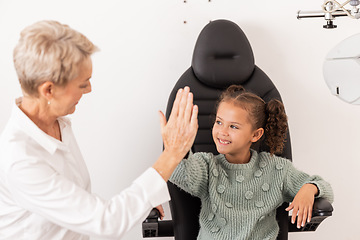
(233, 133)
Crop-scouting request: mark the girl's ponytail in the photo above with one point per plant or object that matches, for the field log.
(269, 116)
(276, 126)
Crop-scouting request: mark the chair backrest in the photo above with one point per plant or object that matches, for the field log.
(222, 57)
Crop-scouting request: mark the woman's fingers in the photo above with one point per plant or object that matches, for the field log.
(192, 129)
(161, 211)
(162, 120)
(194, 115)
(184, 102)
(175, 108)
(189, 107)
(180, 130)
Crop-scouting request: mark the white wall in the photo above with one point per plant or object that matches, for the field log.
(145, 47)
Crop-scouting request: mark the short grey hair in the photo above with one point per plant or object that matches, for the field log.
(49, 51)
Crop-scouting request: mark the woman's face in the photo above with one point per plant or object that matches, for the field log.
(65, 98)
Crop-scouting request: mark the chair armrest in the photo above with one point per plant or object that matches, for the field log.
(152, 227)
(322, 209)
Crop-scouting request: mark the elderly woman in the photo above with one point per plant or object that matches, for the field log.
(44, 183)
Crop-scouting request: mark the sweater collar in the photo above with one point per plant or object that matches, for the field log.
(254, 156)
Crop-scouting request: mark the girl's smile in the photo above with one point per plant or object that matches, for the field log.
(233, 133)
(223, 141)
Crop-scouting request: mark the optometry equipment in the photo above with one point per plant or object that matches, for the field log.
(332, 9)
(341, 70)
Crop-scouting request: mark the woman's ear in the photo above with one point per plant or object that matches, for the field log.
(258, 133)
(46, 90)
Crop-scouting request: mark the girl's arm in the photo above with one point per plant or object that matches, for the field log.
(191, 174)
(300, 188)
(302, 204)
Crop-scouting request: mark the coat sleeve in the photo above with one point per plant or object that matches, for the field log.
(36, 187)
(191, 174)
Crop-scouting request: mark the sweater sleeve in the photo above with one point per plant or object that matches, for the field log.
(191, 174)
(295, 179)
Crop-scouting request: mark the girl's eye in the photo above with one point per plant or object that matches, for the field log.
(218, 122)
(83, 86)
(233, 127)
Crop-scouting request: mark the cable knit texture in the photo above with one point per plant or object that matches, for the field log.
(239, 201)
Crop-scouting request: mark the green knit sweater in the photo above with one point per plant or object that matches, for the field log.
(239, 201)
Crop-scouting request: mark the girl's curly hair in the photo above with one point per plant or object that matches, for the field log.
(269, 116)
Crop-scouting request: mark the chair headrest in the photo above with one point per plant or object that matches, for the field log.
(222, 55)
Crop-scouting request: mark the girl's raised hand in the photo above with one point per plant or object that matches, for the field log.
(302, 204)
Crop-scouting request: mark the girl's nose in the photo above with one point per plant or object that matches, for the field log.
(223, 132)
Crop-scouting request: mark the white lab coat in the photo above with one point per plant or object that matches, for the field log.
(45, 188)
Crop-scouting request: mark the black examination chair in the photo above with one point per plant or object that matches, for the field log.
(222, 56)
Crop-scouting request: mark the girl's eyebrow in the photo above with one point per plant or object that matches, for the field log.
(230, 122)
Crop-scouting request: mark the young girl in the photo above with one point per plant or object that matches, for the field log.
(240, 188)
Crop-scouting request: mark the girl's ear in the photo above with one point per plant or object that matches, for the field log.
(257, 135)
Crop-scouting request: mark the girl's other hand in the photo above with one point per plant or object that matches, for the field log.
(302, 204)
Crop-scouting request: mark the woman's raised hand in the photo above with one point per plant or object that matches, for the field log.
(179, 132)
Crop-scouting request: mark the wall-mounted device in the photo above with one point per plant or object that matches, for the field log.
(341, 70)
(332, 9)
